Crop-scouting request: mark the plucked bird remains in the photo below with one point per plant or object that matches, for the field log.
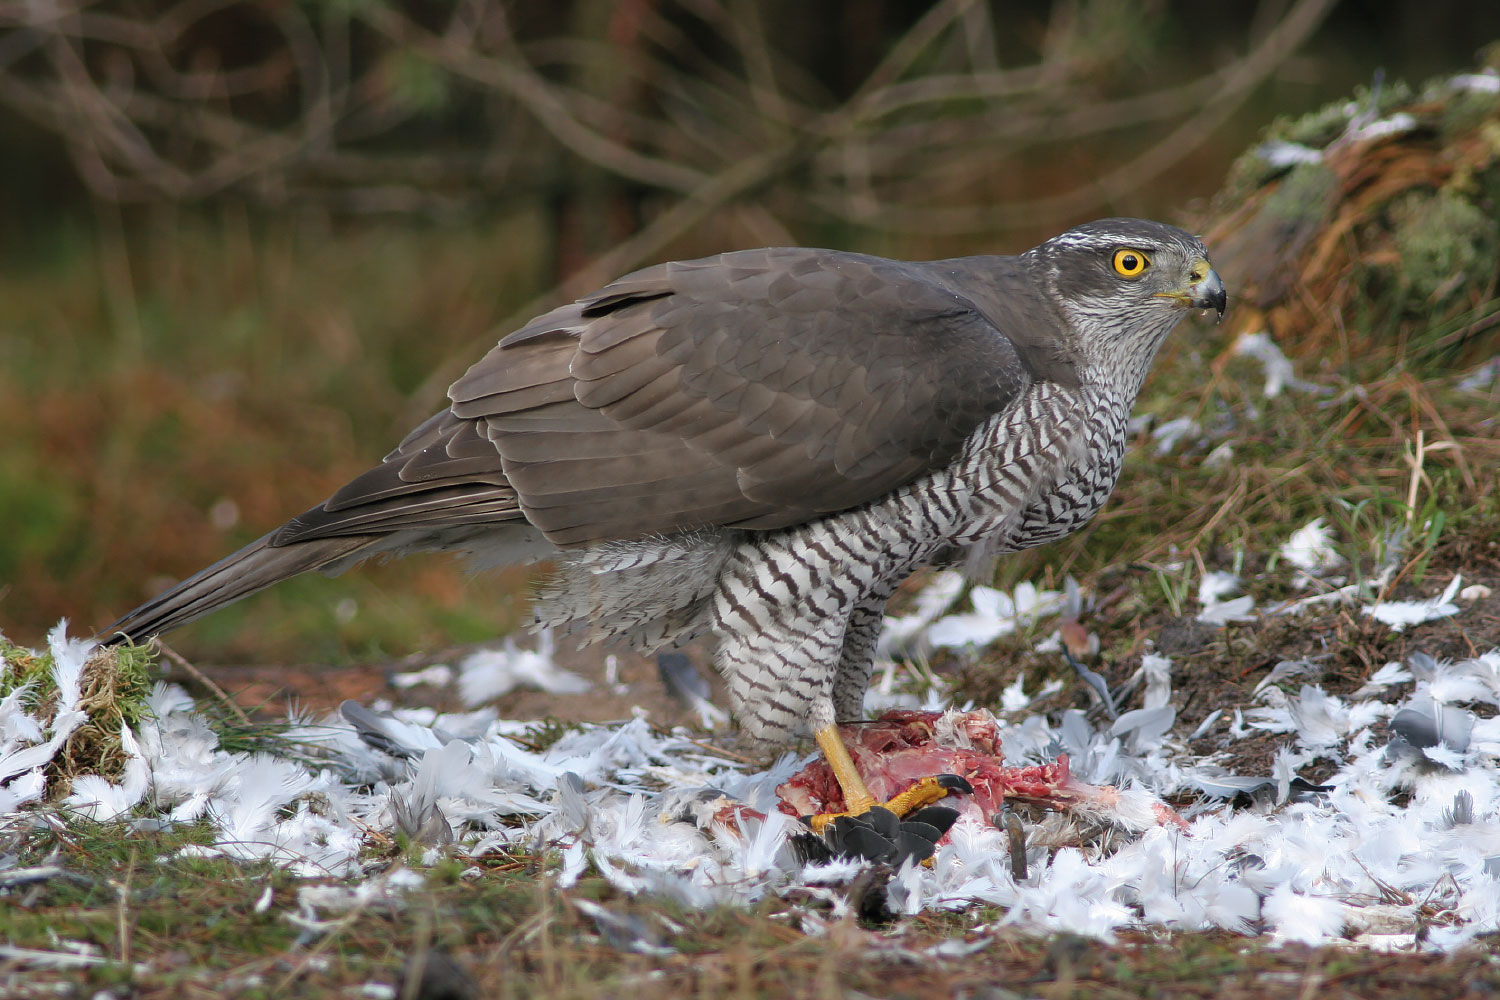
(764, 444)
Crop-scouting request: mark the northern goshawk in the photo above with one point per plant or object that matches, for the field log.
(763, 445)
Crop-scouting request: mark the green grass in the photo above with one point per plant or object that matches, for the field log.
(170, 926)
(112, 692)
(1349, 458)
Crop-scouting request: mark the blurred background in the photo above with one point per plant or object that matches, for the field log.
(247, 245)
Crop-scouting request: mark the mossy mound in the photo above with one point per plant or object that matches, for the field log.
(1371, 228)
(113, 687)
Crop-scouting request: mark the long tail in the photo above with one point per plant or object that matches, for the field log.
(253, 568)
(443, 489)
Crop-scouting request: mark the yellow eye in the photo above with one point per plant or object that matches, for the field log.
(1130, 263)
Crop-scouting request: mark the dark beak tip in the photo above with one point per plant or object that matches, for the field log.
(1212, 295)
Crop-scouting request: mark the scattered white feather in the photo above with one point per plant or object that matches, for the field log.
(489, 673)
(437, 675)
(386, 891)
(1311, 550)
(25, 759)
(1221, 455)
(1285, 670)
(1157, 671)
(1391, 674)
(1397, 124)
(25, 787)
(1279, 373)
(1239, 609)
(102, 800)
(1349, 594)
(1143, 728)
(938, 596)
(1281, 154)
(1015, 699)
(1444, 756)
(17, 725)
(995, 613)
(1215, 586)
(1322, 720)
(1238, 730)
(1207, 725)
(652, 813)
(68, 658)
(1399, 614)
(1171, 432)
(1487, 82)
(1482, 377)
(593, 795)
(1302, 918)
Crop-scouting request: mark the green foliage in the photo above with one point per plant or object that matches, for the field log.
(417, 84)
(1445, 243)
(114, 685)
(1303, 197)
(1315, 130)
(46, 504)
(1468, 110)
(546, 731)
(20, 667)
(1176, 588)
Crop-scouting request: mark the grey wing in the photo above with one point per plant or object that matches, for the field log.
(756, 389)
(443, 479)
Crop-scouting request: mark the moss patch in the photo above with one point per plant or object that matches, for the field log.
(113, 688)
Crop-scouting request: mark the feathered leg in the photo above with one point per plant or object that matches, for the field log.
(782, 662)
(861, 636)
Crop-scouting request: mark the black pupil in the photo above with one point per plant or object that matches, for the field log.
(1129, 262)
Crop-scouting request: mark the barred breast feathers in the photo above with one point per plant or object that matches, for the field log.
(1040, 471)
(1027, 475)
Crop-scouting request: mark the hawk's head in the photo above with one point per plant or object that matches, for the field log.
(1124, 283)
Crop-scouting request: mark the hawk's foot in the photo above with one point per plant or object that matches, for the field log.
(923, 792)
(908, 826)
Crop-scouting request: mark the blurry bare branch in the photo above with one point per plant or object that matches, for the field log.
(691, 106)
(512, 75)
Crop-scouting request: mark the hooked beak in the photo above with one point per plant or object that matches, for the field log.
(1208, 292)
(1205, 292)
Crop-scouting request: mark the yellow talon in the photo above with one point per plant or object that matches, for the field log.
(857, 797)
(924, 793)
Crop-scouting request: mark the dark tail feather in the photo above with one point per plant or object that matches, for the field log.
(254, 567)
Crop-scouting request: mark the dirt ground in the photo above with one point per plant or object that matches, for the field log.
(636, 685)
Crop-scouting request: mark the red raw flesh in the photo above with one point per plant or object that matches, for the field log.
(900, 747)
